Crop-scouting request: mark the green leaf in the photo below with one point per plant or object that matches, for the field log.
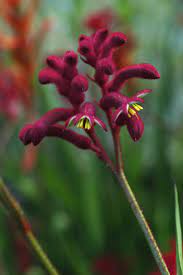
(179, 259)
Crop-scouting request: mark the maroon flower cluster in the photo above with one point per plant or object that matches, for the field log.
(97, 51)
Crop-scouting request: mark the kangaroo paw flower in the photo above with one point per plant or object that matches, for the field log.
(86, 118)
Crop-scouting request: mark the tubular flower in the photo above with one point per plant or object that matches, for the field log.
(146, 71)
(86, 118)
(126, 112)
(31, 134)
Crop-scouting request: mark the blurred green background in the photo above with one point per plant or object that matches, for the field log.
(78, 212)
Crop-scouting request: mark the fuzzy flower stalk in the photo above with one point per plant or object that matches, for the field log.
(120, 110)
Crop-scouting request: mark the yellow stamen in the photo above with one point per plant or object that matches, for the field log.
(131, 111)
(84, 123)
(137, 106)
(81, 123)
(88, 126)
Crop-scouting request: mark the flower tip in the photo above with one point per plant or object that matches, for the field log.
(70, 57)
(80, 83)
(82, 37)
(54, 61)
(24, 134)
(84, 47)
(118, 38)
(103, 32)
(151, 71)
(158, 75)
(48, 75)
(42, 78)
(50, 60)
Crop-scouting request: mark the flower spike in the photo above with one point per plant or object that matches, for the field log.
(97, 51)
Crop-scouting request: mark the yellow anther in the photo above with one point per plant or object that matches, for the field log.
(88, 125)
(84, 123)
(80, 123)
(131, 111)
(137, 107)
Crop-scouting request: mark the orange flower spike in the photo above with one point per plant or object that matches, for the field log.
(7, 42)
(29, 159)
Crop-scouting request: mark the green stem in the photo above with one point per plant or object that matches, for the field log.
(138, 212)
(16, 210)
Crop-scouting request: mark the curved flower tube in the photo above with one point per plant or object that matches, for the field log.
(146, 71)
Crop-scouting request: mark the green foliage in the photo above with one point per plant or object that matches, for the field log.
(178, 234)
